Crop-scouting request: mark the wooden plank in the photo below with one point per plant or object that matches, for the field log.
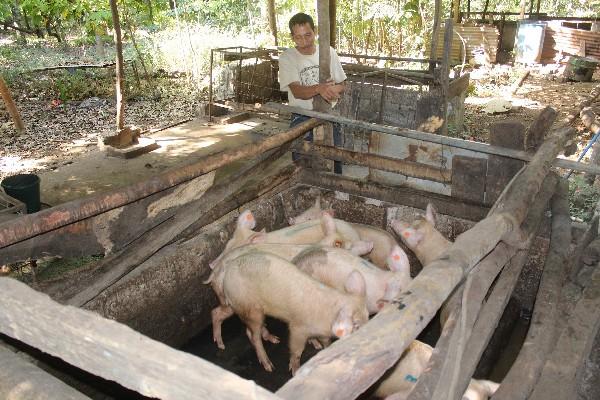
(395, 195)
(468, 178)
(562, 370)
(542, 334)
(433, 138)
(114, 351)
(383, 163)
(22, 380)
(508, 134)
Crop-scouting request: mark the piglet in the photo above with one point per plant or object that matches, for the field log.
(383, 243)
(242, 234)
(259, 284)
(421, 236)
(311, 213)
(402, 378)
(333, 267)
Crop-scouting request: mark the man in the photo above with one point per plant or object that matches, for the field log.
(299, 76)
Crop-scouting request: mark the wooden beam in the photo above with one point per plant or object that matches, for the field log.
(542, 334)
(383, 163)
(466, 306)
(22, 380)
(31, 225)
(564, 365)
(114, 351)
(396, 195)
(11, 107)
(433, 138)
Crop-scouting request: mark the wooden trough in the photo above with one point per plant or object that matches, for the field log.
(159, 235)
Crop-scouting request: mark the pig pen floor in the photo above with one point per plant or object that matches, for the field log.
(93, 171)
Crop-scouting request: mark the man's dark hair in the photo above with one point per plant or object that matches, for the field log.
(301, 19)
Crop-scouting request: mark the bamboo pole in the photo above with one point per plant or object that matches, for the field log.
(11, 107)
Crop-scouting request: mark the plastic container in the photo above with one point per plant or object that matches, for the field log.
(24, 187)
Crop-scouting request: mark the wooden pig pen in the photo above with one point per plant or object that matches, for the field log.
(117, 320)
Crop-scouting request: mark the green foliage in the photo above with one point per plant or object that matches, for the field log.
(54, 268)
(583, 198)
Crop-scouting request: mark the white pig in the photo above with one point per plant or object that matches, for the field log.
(421, 236)
(333, 266)
(241, 235)
(383, 241)
(259, 284)
(402, 378)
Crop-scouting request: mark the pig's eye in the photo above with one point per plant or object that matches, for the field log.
(337, 243)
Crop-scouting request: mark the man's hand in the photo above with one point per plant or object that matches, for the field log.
(330, 91)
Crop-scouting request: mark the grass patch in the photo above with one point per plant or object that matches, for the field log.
(583, 198)
(52, 268)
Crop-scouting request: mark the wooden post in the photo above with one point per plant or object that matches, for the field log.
(332, 22)
(319, 103)
(485, 8)
(11, 107)
(522, 9)
(434, 34)
(445, 73)
(119, 70)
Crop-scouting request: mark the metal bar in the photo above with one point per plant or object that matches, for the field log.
(433, 138)
(30, 225)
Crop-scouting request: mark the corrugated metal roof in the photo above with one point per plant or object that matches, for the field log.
(569, 41)
(475, 37)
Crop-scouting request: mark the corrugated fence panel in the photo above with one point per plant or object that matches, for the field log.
(475, 37)
(569, 41)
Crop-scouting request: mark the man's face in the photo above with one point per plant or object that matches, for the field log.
(304, 38)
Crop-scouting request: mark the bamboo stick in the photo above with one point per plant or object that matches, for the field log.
(11, 107)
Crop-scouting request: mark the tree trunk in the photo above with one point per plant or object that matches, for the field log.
(456, 11)
(332, 22)
(272, 19)
(119, 69)
(150, 11)
(172, 5)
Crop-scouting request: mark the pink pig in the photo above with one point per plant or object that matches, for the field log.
(258, 284)
(421, 236)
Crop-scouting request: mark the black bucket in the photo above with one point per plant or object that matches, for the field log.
(24, 187)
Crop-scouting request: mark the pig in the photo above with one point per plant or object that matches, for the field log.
(401, 379)
(316, 230)
(311, 213)
(333, 266)
(258, 284)
(383, 241)
(421, 236)
(242, 234)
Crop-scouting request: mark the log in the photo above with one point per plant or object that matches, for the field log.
(542, 334)
(114, 351)
(561, 372)
(22, 380)
(433, 138)
(534, 136)
(408, 168)
(120, 264)
(478, 284)
(46, 220)
(11, 107)
(520, 82)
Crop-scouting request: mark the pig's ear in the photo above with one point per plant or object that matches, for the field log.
(342, 325)
(246, 220)
(398, 260)
(431, 214)
(327, 224)
(355, 284)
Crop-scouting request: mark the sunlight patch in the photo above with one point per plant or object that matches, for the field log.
(11, 165)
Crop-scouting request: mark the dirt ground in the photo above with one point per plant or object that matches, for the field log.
(61, 142)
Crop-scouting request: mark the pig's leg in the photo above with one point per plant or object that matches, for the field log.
(316, 343)
(266, 335)
(298, 338)
(220, 314)
(254, 321)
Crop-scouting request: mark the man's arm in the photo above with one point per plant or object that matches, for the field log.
(328, 90)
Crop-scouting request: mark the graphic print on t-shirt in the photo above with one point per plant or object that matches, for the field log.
(309, 76)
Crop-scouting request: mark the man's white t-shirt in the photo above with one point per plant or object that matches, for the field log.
(297, 67)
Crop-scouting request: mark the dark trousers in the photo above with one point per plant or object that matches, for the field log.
(297, 119)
